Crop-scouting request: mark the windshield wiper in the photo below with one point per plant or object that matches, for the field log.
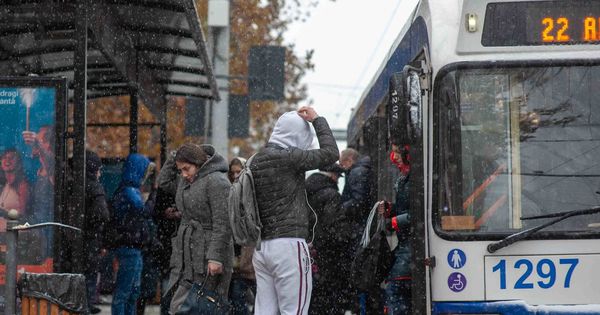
(511, 239)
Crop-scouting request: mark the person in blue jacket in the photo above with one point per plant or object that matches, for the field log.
(130, 232)
(398, 282)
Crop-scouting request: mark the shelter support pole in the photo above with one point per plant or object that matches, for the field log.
(163, 134)
(219, 112)
(79, 128)
(12, 238)
(133, 122)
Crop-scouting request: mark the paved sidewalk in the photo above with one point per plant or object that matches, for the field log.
(105, 306)
(150, 310)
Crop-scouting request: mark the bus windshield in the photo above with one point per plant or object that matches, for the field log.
(517, 142)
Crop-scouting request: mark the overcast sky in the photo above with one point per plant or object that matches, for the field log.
(351, 39)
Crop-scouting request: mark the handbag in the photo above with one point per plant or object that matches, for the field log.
(203, 301)
(373, 258)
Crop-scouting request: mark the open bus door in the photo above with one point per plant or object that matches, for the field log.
(407, 102)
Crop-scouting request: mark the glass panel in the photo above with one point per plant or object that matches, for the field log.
(529, 145)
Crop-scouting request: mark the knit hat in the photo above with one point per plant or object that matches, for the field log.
(93, 163)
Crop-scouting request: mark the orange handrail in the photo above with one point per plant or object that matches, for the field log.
(483, 186)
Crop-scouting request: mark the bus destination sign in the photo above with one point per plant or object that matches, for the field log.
(542, 23)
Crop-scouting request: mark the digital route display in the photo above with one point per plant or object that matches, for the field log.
(542, 23)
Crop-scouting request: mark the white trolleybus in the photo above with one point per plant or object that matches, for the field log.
(500, 104)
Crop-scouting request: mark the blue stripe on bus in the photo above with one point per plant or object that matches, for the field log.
(511, 307)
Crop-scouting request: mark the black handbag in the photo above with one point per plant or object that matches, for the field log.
(373, 258)
(203, 301)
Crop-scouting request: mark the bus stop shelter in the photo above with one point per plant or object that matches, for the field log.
(148, 49)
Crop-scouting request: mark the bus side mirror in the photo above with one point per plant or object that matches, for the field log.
(404, 107)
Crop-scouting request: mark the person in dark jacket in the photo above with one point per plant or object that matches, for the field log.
(282, 261)
(398, 282)
(96, 217)
(358, 195)
(167, 219)
(129, 221)
(358, 198)
(151, 252)
(331, 242)
(197, 175)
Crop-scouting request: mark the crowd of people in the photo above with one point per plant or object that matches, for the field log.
(170, 229)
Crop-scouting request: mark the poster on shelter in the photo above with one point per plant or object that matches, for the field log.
(27, 166)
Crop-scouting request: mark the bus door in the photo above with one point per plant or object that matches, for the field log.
(407, 110)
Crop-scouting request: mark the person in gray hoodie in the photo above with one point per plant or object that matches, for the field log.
(203, 243)
(282, 262)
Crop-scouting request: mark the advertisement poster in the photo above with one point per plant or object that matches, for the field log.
(27, 182)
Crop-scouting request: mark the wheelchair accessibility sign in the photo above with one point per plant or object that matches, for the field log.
(457, 282)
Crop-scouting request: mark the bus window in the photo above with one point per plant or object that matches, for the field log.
(484, 146)
(527, 145)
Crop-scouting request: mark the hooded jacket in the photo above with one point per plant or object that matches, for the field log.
(96, 211)
(204, 232)
(129, 218)
(279, 173)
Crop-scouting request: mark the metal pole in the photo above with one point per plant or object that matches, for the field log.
(12, 237)
(133, 122)
(163, 133)
(219, 137)
(79, 128)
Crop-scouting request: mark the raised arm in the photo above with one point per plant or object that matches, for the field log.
(168, 176)
(328, 151)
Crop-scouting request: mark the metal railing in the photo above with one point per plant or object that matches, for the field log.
(12, 236)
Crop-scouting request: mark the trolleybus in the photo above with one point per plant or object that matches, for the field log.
(500, 104)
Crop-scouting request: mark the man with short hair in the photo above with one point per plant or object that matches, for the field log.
(357, 199)
(282, 262)
(359, 194)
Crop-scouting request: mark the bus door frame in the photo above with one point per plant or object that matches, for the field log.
(420, 190)
(413, 119)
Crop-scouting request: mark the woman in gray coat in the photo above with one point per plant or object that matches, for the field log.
(197, 175)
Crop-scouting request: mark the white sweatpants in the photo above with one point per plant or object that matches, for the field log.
(283, 277)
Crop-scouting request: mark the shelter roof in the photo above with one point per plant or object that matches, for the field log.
(154, 47)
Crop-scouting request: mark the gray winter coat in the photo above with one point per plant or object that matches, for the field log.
(279, 183)
(204, 232)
